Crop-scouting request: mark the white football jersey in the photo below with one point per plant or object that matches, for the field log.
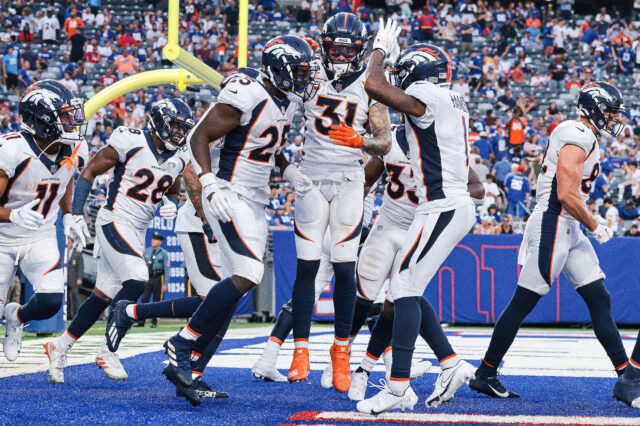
(570, 132)
(400, 198)
(187, 220)
(32, 174)
(439, 148)
(141, 177)
(336, 102)
(248, 151)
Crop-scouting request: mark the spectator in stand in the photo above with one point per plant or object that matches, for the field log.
(558, 71)
(44, 57)
(126, 39)
(515, 128)
(518, 191)
(69, 83)
(461, 87)
(427, 22)
(230, 17)
(532, 147)
(108, 78)
(72, 23)
(611, 214)
(553, 112)
(628, 211)
(23, 76)
(491, 191)
(105, 51)
(125, 64)
(484, 146)
(499, 144)
(626, 59)
(26, 35)
(447, 34)
(488, 92)
(50, 27)
(77, 43)
(633, 231)
(10, 69)
(506, 102)
(477, 165)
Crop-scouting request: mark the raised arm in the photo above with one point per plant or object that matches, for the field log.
(105, 159)
(380, 125)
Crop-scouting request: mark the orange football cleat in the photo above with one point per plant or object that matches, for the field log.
(341, 367)
(299, 366)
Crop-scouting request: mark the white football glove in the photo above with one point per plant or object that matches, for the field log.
(219, 203)
(393, 54)
(27, 218)
(602, 233)
(76, 229)
(168, 210)
(387, 37)
(301, 183)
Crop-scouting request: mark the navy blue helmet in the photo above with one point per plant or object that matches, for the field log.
(249, 72)
(286, 61)
(423, 62)
(344, 40)
(171, 121)
(49, 110)
(597, 102)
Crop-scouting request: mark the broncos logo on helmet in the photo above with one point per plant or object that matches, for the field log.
(423, 62)
(344, 41)
(48, 110)
(601, 103)
(171, 121)
(286, 62)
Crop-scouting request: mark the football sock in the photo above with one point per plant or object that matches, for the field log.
(41, 306)
(303, 298)
(521, 304)
(65, 341)
(183, 307)
(344, 298)
(360, 314)
(283, 325)
(88, 314)
(380, 336)
(432, 332)
(131, 290)
(598, 301)
(271, 349)
(213, 311)
(406, 325)
(635, 355)
(367, 364)
(212, 346)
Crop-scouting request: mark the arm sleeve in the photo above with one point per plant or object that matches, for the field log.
(426, 93)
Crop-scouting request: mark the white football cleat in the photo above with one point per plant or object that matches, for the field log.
(358, 387)
(327, 376)
(385, 401)
(57, 361)
(13, 337)
(267, 371)
(109, 362)
(418, 367)
(448, 382)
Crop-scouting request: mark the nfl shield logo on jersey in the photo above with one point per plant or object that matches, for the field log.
(54, 168)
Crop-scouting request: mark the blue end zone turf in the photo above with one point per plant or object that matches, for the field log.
(146, 397)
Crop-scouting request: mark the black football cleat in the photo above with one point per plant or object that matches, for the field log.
(491, 386)
(205, 391)
(178, 371)
(627, 388)
(118, 325)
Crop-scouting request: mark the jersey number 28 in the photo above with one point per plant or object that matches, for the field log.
(136, 193)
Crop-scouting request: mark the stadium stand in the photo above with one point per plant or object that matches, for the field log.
(518, 67)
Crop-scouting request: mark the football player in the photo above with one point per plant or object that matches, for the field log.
(381, 256)
(340, 110)
(553, 242)
(36, 180)
(436, 121)
(254, 117)
(147, 169)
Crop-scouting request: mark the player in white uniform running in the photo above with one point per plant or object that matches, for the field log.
(36, 180)
(553, 242)
(147, 166)
(253, 116)
(339, 111)
(436, 121)
(381, 257)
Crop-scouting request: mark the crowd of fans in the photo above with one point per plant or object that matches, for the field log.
(519, 68)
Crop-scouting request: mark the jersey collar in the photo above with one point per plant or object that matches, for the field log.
(340, 85)
(161, 158)
(53, 166)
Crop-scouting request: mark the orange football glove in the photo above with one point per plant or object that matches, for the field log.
(312, 43)
(345, 136)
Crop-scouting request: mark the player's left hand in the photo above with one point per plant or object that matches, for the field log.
(345, 136)
(602, 233)
(168, 210)
(76, 229)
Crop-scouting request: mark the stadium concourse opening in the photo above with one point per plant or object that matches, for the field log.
(519, 69)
